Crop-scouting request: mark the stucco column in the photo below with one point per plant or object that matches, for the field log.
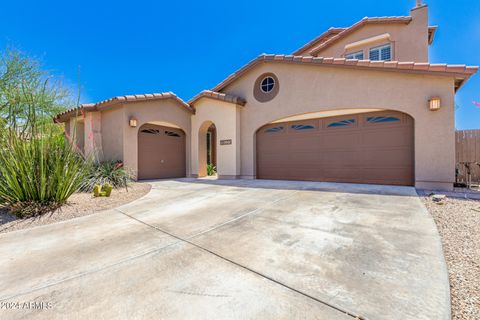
(226, 118)
(77, 133)
(93, 136)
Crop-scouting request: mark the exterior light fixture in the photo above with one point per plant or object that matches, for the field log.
(434, 103)
(133, 122)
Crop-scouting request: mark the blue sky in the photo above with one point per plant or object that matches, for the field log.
(130, 47)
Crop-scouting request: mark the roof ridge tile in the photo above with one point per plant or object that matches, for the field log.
(217, 96)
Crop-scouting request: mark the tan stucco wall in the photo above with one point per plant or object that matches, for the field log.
(166, 111)
(112, 134)
(93, 135)
(77, 132)
(409, 41)
(305, 89)
(226, 117)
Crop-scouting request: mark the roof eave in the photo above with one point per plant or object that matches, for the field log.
(460, 71)
(431, 34)
(106, 104)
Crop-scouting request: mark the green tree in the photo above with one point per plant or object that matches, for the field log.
(39, 170)
(28, 93)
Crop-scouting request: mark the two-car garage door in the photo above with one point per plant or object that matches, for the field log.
(360, 148)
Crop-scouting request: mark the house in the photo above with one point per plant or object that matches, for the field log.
(360, 104)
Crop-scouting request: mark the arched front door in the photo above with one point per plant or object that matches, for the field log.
(373, 147)
(161, 152)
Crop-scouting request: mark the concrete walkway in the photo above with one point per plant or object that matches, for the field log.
(242, 249)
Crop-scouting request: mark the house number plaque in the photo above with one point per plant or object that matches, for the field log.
(225, 142)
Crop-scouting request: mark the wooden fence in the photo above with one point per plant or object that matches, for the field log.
(467, 152)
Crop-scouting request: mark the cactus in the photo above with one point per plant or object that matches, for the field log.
(97, 190)
(102, 191)
(107, 188)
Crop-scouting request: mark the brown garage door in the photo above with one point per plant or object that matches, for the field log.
(360, 148)
(161, 152)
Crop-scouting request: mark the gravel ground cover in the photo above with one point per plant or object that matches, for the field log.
(79, 204)
(458, 221)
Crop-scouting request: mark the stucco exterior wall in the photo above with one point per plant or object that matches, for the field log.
(93, 135)
(305, 89)
(226, 117)
(161, 111)
(112, 122)
(77, 132)
(409, 41)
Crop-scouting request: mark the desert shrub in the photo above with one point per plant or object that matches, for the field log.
(211, 169)
(39, 170)
(38, 174)
(110, 172)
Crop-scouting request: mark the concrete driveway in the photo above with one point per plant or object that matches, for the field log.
(243, 249)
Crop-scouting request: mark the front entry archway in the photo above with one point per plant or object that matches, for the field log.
(207, 147)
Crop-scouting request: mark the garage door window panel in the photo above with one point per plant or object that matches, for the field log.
(303, 128)
(341, 123)
(274, 129)
(382, 119)
(150, 131)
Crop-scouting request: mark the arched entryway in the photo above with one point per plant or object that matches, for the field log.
(207, 149)
(372, 147)
(161, 152)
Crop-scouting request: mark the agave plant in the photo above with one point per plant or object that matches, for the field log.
(39, 170)
(109, 172)
(39, 173)
(211, 169)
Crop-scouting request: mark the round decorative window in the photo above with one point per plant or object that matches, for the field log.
(267, 84)
(266, 87)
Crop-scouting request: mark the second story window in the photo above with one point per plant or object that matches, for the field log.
(355, 55)
(383, 53)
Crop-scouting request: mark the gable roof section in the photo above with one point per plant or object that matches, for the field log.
(358, 25)
(461, 71)
(217, 96)
(319, 40)
(333, 34)
(64, 116)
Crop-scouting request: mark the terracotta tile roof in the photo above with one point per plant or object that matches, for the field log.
(64, 116)
(461, 71)
(218, 96)
(77, 111)
(356, 26)
(319, 40)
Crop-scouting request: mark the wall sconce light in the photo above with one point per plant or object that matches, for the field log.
(434, 103)
(133, 122)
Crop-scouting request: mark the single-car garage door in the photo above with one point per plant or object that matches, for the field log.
(358, 148)
(161, 152)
